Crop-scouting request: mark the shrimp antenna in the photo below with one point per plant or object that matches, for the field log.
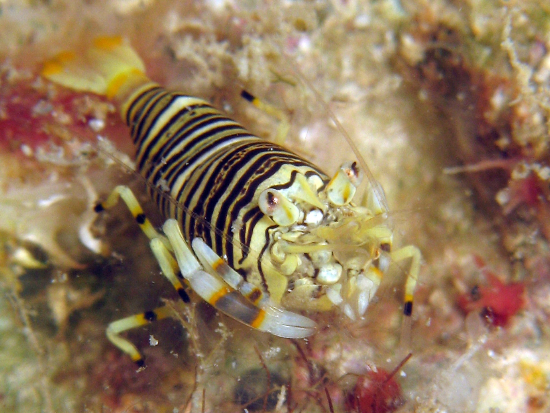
(319, 98)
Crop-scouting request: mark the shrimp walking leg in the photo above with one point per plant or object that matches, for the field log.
(413, 253)
(217, 287)
(168, 265)
(122, 191)
(284, 124)
(137, 320)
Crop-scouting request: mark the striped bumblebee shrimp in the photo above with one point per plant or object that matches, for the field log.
(257, 231)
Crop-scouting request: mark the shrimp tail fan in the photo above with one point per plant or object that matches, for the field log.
(109, 67)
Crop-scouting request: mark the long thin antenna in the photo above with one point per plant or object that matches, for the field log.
(376, 188)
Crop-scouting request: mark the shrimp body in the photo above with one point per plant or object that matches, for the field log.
(291, 236)
(216, 170)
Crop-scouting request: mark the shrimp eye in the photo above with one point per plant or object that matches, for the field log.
(278, 207)
(343, 185)
(353, 172)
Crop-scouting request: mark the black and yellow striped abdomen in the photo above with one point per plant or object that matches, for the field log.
(212, 168)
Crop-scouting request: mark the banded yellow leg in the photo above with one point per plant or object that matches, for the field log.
(413, 253)
(377, 205)
(168, 265)
(217, 287)
(122, 191)
(283, 126)
(128, 323)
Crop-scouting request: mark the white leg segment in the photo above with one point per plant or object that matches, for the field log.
(414, 254)
(210, 285)
(214, 264)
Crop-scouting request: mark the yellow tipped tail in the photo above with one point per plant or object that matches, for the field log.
(106, 68)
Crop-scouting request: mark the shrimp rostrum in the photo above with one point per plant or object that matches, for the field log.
(291, 237)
